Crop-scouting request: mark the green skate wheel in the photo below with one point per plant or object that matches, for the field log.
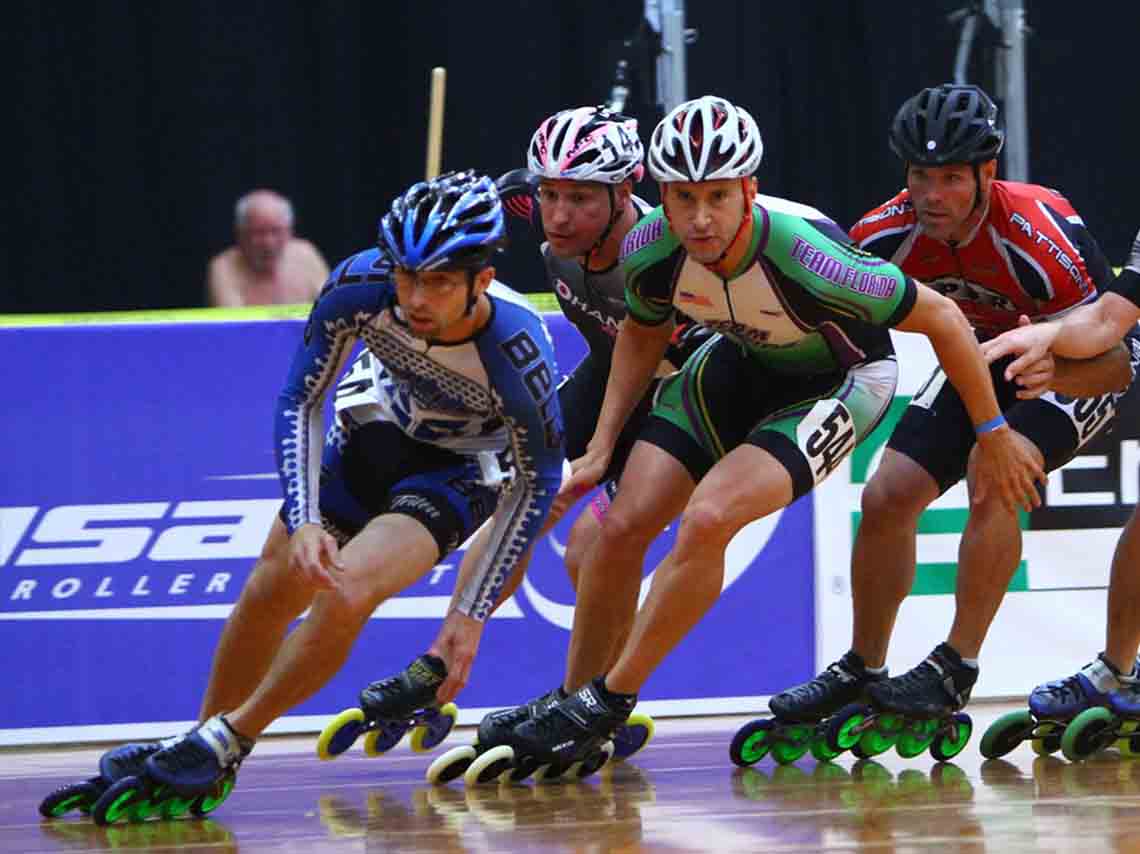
(880, 738)
(427, 736)
(792, 744)
(1004, 734)
(74, 796)
(341, 733)
(203, 805)
(115, 803)
(1089, 732)
(820, 750)
(450, 765)
(174, 807)
(751, 742)
(949, 744)
(845, 727)
(916, 738)
(1047, 738)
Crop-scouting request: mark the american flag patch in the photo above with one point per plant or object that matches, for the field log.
(696, 299)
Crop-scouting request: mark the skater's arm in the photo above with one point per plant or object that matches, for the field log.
(638, 351)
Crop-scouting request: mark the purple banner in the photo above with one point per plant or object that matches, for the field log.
(138, 487)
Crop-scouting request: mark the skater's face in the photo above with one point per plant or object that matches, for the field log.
(435, 304)
(575, 213)
(944, 196)
(705, 215)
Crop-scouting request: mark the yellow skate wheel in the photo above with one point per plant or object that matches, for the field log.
(340, 734)
(428, 736)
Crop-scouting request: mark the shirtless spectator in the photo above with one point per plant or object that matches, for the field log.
(268, 265)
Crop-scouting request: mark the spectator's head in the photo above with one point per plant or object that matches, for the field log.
(263, 222)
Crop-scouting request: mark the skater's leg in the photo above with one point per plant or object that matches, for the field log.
(689, 580)
(655, 488)
(391, 553)
(1124, 599)
(883, 556)
(987, 559)
(272, 597)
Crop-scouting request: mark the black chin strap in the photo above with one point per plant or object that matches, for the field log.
(615, 215)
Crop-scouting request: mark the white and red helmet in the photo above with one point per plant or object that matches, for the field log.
(587, 144)
(703, 140)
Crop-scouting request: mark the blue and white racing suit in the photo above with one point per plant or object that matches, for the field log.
(445, 433)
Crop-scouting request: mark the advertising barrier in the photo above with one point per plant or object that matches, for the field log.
(139, 484)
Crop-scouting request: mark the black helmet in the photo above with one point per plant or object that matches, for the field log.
(947, 124)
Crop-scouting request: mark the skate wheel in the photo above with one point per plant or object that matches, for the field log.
(949, 744)
(820, 751)
(1089, 732)
(487, 767)
(845, 728)
(548, 773)
(1047, 738)
(1129, 742)
(73, 796)
(115, 803)
(175, 807)
(873, 742)
(340, 733)
(795, 743)
(751, 742)
(203, 805)
(386, 736)
(1004, 734)
(450, 765)
(915, 739)
(633, 735)
(428, 735)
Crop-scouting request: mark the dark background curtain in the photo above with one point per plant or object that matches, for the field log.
(134, 127)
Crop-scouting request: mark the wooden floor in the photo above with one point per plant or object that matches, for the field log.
(680, 794)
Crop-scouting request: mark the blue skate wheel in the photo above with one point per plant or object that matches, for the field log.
(751, 742)
(428, 735)
(341, 733)
(386, 736)
(1089, 732)
(73, 796)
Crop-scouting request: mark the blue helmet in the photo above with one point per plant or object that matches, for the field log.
(454, 221)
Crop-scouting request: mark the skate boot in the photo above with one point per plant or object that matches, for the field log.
(913, 712)
(799, 716)
(494, 731)
(193, 775)
(119, 762)
(389, 708)
(1053, 706)
(1112, 716)
(573, 737)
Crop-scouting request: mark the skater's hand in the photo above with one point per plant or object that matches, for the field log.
(1030, 343)
(314, 554)
(1007, 464)
(456, 644)
(588, 470)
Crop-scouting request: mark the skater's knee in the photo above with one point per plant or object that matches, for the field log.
(625, 529)
(891, 501)
(705, 525)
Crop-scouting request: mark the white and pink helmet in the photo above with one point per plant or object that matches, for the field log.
(587, 144)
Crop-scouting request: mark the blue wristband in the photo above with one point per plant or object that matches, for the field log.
(991, 425)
